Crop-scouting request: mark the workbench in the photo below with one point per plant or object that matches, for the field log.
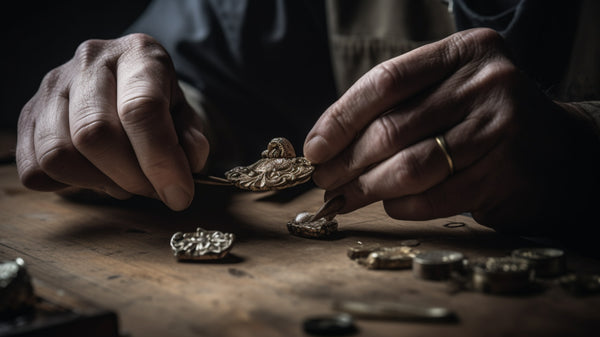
(115, 255)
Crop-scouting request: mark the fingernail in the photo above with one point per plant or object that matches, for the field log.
(316, 150)
(176, 197)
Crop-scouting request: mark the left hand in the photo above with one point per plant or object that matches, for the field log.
(511, 146)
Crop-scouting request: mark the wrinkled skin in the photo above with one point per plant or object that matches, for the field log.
(517, 154)
(113, 119)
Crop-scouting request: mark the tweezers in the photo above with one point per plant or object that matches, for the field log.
(210, 180)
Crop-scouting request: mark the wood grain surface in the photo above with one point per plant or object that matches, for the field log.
(117, 256)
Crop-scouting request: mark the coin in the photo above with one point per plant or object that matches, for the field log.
(397, 258)
(547, 262)
(437, 264)
(201, 245)
(501, 275)
(278, 169)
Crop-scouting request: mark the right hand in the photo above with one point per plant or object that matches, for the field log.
(113, 119)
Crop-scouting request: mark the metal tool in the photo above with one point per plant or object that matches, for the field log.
(210, 180)
(330, 208)
(394, 311)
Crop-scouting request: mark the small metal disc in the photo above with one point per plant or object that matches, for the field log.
(501, 275)
(437, 264)
(547, 262)
(330, 325)
(390, 258)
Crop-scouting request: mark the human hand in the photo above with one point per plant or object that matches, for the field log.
(514, 151)
(113, 119)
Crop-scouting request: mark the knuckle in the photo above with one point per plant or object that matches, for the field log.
(409, 171)
(141, 109)
(89, 51)
(388, 132)
(53, 155)
(384, 79)
(341, 121)
(349, 162)
(144, 45)
(91, 134)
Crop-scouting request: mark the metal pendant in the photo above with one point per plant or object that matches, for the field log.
(278, 169)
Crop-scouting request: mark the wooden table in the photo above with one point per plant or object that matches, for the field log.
(117, 256)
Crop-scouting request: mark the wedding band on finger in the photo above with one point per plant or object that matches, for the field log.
(441, 142)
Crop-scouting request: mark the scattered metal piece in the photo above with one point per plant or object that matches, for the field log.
(278, 169)
(580, 284)
(361, 251)
(201, 244)
(454, 224)
(410, 243)
(394, 311)
(547, 262)
(437, 264)
(330, 208)
(16, 290)
(303, 226)
(390, 258)
(501, 275)
(330, 325)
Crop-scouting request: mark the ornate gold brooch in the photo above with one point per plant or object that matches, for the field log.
(278, 169)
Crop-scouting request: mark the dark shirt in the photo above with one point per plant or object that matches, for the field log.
(266, 68)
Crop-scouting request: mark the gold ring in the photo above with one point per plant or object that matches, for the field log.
(441, 142)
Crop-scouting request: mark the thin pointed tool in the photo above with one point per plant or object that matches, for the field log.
(330, 208)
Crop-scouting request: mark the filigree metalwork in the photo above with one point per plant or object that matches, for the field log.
(201, 244)
(278, 169)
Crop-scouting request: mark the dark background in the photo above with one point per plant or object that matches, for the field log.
(41, 35)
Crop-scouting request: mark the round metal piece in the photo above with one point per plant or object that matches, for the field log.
(437, 265)
(330, 325)
(501, 275)
(390, 258)
(547, 262)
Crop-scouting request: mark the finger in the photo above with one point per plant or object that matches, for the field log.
(408, 172)
(381, 89)
(56, 154)
(190, 129)
(468, 190)
(31, 174)
(424, 116)
(97, 134)
(421, 166)
(144, 97)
